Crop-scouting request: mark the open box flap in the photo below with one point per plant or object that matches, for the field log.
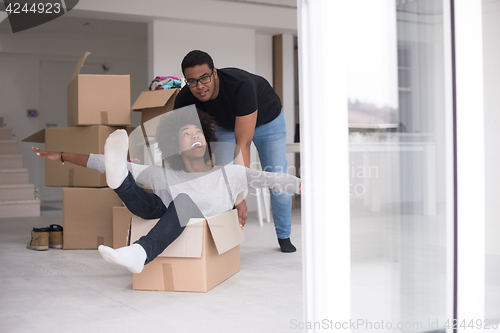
(188, 244)
(153, 99)
(37, 137)
(78, 66)
(226, 231)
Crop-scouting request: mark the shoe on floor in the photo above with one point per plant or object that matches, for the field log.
(39, 239)
(55, 236)
(286, 245)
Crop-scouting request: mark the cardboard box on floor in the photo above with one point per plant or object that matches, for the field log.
(121, 226)
(98, 99)
(204, 255)
(80, 140)
(88, 217)
(155, 103)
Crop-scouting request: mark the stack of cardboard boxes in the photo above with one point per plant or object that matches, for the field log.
(97, 106)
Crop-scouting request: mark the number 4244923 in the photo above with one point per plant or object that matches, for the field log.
(40, 8)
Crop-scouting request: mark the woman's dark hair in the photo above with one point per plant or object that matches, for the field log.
(167, 134)
(196, 58)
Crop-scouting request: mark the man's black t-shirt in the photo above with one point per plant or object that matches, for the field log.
(240, 94)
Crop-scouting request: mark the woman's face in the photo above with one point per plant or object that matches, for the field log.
(192, 141)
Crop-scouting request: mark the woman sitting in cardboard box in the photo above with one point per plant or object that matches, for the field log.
(192, 186)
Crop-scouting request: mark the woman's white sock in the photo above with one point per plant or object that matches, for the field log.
(115, 158)
(133, 257)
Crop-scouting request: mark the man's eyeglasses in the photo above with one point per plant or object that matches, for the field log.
(204, 80)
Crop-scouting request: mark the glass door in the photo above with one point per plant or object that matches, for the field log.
(393, 90)
(399, 158)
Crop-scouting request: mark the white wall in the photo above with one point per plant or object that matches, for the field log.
(264, 56)
(20, 57)
(491, 56)
(228, 46)
(250, 14)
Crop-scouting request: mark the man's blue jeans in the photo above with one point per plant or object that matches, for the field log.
(270, 141)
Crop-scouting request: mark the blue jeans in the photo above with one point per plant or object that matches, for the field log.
(173, 219)
(270, 141)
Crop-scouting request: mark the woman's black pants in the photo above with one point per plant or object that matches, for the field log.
(173, 219)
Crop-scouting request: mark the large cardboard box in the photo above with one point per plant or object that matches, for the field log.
(88, 217)
(80, 140)
(204, 255)
(98, 99)
(155, 103)
(121, 226)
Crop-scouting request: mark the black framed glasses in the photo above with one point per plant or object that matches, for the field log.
(192, 83)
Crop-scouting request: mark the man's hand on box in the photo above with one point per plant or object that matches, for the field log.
(50, 155)
(242, 213)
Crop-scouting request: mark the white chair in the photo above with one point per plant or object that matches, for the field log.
(261, 194)
(263, 204)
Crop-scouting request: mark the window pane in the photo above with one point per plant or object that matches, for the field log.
(395, 64)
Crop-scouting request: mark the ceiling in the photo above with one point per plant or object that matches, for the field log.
(90, 26)
(75, 25)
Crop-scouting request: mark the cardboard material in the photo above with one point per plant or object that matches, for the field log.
(155, 103)
(88, 217)
(203, 256)
(98, 99)
(80, 140)
(121, 226)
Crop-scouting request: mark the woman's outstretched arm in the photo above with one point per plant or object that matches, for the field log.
(281, 182)
(78, 159)
(150, 179)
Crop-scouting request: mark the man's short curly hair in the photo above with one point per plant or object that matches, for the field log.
(196, 58)
(167, 134)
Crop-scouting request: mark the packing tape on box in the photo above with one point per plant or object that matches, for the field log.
(100, 241)
(104, 117)
(151, 157)
(168, 277)
(71, 177)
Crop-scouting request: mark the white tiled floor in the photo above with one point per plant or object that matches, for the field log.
(77, 291)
